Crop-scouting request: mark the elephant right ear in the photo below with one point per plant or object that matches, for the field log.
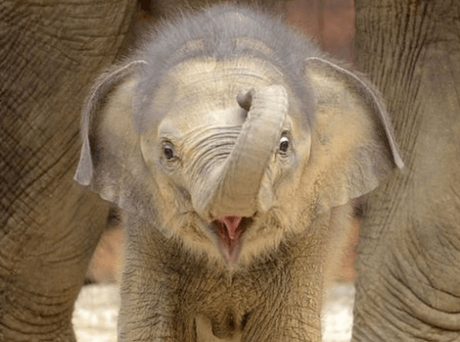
(109, 139)
(354, 146)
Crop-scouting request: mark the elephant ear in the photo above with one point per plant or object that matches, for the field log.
(110, 152)
(353, 146)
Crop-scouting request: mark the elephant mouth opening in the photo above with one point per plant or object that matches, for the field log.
(230, 230)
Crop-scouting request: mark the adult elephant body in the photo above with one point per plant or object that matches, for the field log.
(48, 226)
(409, 261)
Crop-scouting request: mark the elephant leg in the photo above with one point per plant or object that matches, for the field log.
(407, 277)
(408, 269)
(45, 247)
(49, 54)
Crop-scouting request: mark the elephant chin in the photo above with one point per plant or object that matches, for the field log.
(230, 230)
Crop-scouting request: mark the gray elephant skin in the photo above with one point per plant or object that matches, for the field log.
(234, 146)
(49, 227)
(408, 268)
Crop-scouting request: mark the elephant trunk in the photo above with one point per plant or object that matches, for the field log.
(239, 180)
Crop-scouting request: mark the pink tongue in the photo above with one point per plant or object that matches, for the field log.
(231, 223)
(229, 237)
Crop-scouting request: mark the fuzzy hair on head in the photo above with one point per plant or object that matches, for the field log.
(222, 32)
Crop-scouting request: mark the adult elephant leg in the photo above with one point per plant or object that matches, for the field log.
(49, 54)
(408, 268)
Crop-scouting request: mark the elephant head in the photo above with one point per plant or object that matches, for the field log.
(232, 155)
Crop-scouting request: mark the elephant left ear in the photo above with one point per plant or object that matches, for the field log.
(353, 146)
(109, 157)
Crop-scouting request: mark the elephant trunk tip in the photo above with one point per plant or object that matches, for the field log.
(244, 99)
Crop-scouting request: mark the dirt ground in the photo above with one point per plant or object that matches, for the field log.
(96, 312)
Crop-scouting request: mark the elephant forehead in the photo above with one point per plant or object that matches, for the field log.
(203, 92)
(225, 72)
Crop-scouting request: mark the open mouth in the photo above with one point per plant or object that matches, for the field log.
(230, 230)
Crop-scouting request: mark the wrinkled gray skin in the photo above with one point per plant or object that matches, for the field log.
(234, 146)
(408, 270)
(49, 227)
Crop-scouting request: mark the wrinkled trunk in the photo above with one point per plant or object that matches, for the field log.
(238, 181)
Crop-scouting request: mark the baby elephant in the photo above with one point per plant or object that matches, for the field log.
(233, 145)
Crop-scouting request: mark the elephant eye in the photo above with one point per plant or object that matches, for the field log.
(168, 151)
(284, 144)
